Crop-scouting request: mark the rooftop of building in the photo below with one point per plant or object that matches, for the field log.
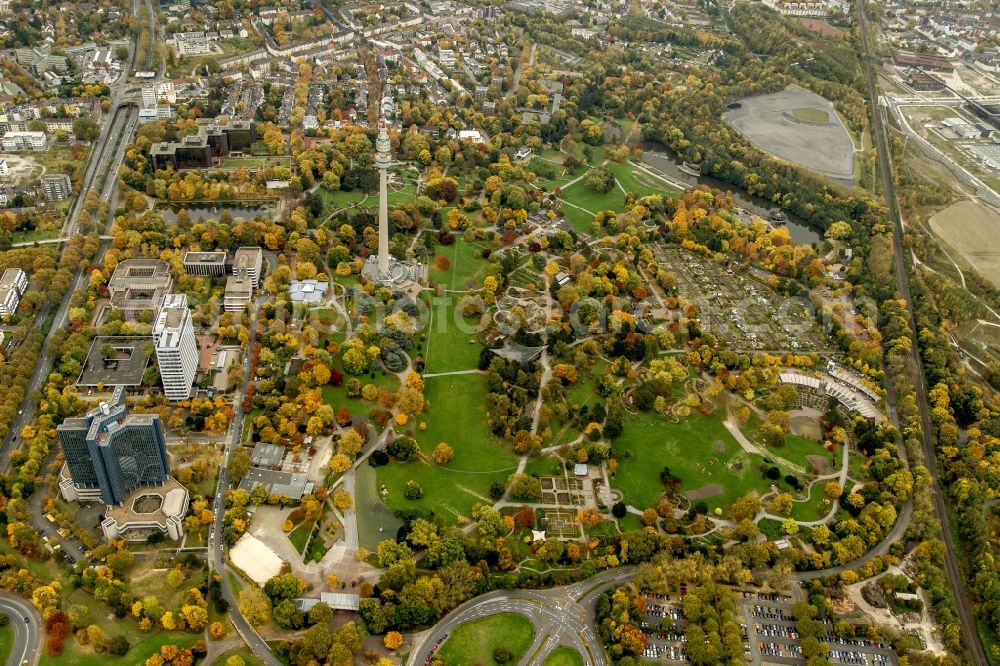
(139, 271)
(152, 504)
(267, 455)
(196, 257)
(124, 368)
(284, 484)
(237, 286)
(10, 278)
(247, 256)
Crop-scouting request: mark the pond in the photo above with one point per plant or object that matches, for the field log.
(800, 230)
(199, 213)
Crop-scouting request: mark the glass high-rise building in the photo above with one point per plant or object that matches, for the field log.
(114, 451)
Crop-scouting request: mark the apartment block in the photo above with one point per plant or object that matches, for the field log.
(13, 284)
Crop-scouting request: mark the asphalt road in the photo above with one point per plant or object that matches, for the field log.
(561, 616)
(27, 635)
(216, 547)
(956, 580)
(123, 120)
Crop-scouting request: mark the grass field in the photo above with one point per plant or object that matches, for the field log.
(143, 644)
(639, 184)
(474, 642)
(339, 199)
(455, 417)
(974, 230)
(689, 449)
(300, 535)
(466, 262)
(796, 449)
(451, 345)
(372, 513)
(33, 236)
(337, 396)
(580, 220)
(581, 195)
(814, 507)
(563, 656)
(812, 115)
(144, 580)
(6, 642)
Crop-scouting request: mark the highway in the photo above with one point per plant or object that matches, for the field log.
(109, 151)
(956, 580)
(27, 635)
(216, 546)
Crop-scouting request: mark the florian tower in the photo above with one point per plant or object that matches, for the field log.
(382, 160)
(382, 268)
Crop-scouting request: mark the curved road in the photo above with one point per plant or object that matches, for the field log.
(561, 616)
(215, 544)
(27, 644)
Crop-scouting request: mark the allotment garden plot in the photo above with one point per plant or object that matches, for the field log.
(737, 307)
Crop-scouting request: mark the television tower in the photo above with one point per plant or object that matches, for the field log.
(382, 160)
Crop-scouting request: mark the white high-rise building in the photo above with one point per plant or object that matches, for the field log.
(149, 96)
(176, 348)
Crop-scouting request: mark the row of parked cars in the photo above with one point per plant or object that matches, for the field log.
(859, 658)
(667, 651)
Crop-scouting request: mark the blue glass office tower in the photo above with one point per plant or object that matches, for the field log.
(114, 451)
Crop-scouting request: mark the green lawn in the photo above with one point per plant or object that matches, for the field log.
(336, 396)
(235, 583)
(580, 220)
(796, 449)
(143, 645)
(248, 657)
(563, 656)
(583, 196)
(474, 642)
(689, 449)
(450, 344)
(466, 262)
(639, 184)
(300, 535)
(547, 465)
(6, 642)
(375, 521)
(339, 198)
(814, 507)
(813, 115)
(455, 417)
(33, 235)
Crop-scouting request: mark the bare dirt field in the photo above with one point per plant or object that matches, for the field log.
(788, 125)
(821, 27)
(974, 230)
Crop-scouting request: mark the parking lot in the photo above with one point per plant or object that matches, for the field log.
(768, 632)
(664, 626)
(772, 638)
